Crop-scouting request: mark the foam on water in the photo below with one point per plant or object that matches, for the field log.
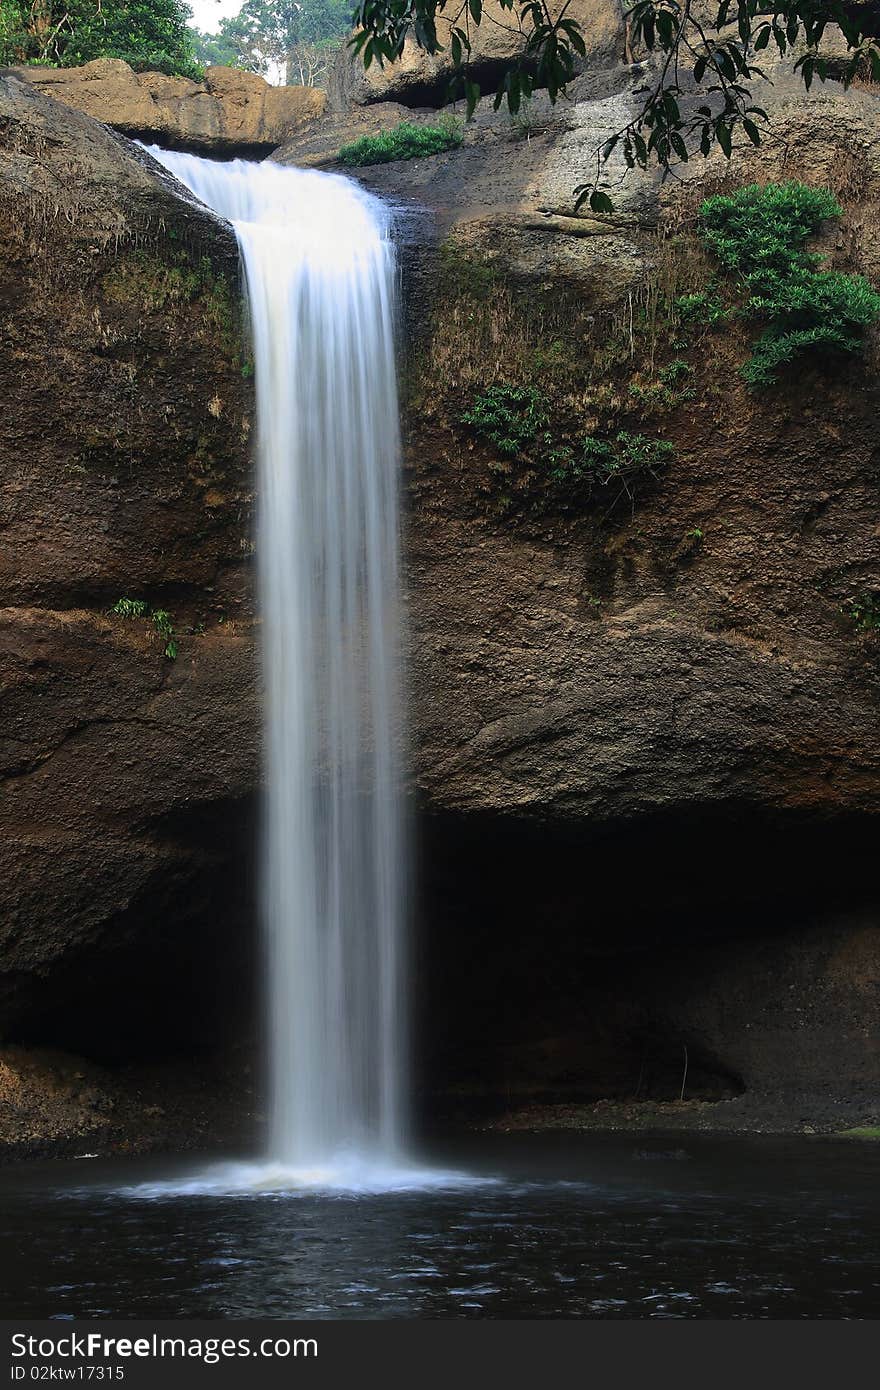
(348, 1175)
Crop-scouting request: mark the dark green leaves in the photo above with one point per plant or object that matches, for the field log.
(145, 33)
(508, 417)
(160, 618)
(751, 131)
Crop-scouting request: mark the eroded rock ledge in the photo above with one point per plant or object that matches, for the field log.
(230, 113)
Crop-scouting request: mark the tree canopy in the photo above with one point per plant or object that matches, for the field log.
(705, 51)
(145, 33)
(296, 38)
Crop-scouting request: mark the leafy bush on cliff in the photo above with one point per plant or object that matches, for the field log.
(761, 232)
(405, 141)
(702, 306)
(759, 235)
(508, 416)
(148, 34)
(623, 465)
(549, 470)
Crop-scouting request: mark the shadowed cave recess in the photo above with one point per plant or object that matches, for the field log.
(694, 955)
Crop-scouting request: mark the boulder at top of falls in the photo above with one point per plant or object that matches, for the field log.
(230, 113)
(418, 78)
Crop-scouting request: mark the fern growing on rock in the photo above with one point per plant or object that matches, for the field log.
(510, 417)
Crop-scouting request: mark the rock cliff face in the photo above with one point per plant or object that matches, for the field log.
(602, 662)
(645, 749)
(124, 441)
(231, 113)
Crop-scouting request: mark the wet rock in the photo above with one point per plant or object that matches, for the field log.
(53, 1104)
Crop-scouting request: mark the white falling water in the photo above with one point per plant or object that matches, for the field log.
(320, 270)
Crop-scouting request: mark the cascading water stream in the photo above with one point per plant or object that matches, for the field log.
(320, 270)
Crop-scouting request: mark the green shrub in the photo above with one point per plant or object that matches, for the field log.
(130, 608)
(675, 372)
(624, 464)
(703, 306)
(759, 235)
(763, 230)
(828, 314)
(510, 417)
(164, 626)
(406, 141)
(668, 391)
(515, 420)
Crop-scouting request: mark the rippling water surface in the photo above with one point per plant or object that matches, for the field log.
(572, 1227)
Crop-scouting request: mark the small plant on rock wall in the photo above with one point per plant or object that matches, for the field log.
(159, 617)
(863, 610)
(526, 122)
(510, 417)
(162, 623)
(687, 548)
(549, 470)
(623, 465)
(669, 390)
(703, 307)
(675, 372)
(130, 608)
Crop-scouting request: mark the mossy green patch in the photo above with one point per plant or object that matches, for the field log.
(466, 274)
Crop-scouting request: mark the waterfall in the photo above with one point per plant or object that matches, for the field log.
(320, 272)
